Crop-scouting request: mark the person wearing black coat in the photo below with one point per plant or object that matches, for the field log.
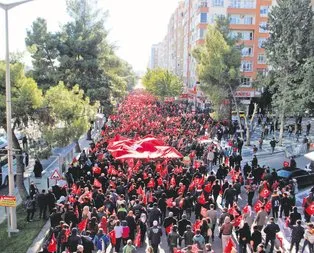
(256, 238)
(70, 217)
(154, 213)
(42, 202)
(296, 235)
(55, 218)
(154, 236)
(271, 230)
(182, 224)
(294, 216)
(51, 200)
(131, 224)
(38, 168)
(170, 220)
(74, 240)
(87, 242)
(244, 237)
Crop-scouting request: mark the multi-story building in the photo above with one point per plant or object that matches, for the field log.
(187, 29)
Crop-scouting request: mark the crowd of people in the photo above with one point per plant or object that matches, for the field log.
(209, 195)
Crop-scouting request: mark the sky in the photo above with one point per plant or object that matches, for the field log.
(134, 25)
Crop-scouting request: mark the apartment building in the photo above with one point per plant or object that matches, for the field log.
(187, 29)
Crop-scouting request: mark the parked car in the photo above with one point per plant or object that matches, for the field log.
(304, 178)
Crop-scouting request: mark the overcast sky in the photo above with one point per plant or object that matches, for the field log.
(134, 25)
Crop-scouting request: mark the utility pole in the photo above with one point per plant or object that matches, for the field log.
(12, 210)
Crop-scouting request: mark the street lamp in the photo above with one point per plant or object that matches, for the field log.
(6, 8)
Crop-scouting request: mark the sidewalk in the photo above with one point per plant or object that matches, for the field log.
(49, 165)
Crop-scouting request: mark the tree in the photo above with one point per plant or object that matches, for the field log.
(79, 54)
(219, 61)
(289, 51)
(162, 83)
(26, 99)
(71, 114)
(43, 47)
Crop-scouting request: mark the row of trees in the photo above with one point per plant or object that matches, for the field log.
(290, 54)
(75, 72)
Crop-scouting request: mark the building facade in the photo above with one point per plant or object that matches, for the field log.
(187, 29)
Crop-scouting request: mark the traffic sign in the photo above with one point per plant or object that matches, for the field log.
(8, 201)
(56, 175)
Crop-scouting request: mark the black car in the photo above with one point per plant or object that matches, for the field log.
(304, 178)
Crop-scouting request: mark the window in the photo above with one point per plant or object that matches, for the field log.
(247, 51)
(217, 3)
(248, 4)
(245, 81)
(246, 66)
(201, 33)
(247, 36)
(203, 4)
(261, 42)
(261, 59)
(203, 17)
(248, 20)
(263, 27)
(264, 11)
(234, 19)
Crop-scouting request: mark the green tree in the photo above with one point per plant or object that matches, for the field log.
(289, 51)
(162, 83)
(79, 54)
(26, 99)
(43, 47)
(219, 61)
(70, 112)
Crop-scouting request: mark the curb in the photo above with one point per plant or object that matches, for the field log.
(38, 241)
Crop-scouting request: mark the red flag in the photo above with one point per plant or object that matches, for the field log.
(233, 211)
(196, 164)
(169, 202)
(169, 228)
(164, 172)
(268, 206)
(151, 183)
(203, 212)
(177, 250)
(246, 209)
(140, 191)
(178, 170)
(112, 236)
(137, 240)
(197, 225)
(159, 181)
(195, 248)
(258, 206)
(145, 176)
(74, 188)
(71, 199)
(201, 199)
(310, 209)
(181, 203)
(52, 247)
(97, 184)
(131, 188)
(82, 225)
(237, 221)
(229, 246)
(265, 192)
(192, 185)
(208, 188)
(150, 198)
